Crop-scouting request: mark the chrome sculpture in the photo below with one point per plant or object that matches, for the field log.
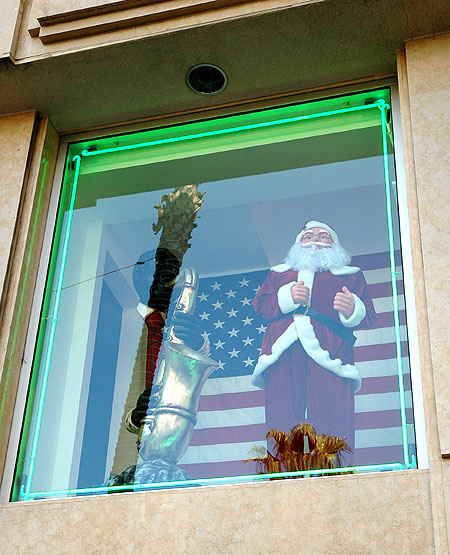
(166, 431)
(175, 373)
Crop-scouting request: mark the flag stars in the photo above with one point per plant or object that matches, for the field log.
(234, 353)
(219, 344)
(229, 299)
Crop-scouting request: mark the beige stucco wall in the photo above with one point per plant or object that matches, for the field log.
(16, 132)
(28, 148)
(15, 139)
(428, 69)
(386, 513)
(10, 23)
(142, 19)
(426, 80)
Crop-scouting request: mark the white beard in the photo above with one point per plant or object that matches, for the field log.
(317, 259)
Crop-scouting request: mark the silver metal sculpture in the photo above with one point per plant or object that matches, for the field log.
(175, 374)
(167, 429)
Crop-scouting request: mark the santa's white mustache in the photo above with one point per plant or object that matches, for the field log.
(315, 244)
(312, 257)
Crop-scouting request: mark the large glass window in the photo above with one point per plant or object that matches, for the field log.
(224, 303)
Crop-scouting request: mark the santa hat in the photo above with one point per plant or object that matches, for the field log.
(313, 223)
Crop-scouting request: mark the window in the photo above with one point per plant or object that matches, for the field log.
(258, 329)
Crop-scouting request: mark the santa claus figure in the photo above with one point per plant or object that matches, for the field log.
(313, 302)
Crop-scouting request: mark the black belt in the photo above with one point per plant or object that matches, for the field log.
(345, 333)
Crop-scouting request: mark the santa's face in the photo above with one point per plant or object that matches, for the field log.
(315, 250)
(317, 237)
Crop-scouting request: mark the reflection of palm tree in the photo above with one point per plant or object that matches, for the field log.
(176, 220)
(301, 449)
(177, 213)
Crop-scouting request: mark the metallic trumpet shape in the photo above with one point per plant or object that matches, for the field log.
(167, 429)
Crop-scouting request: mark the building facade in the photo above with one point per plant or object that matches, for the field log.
(347, 101)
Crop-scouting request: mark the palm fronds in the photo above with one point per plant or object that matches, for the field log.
(301, 449)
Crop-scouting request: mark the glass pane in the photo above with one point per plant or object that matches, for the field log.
(258, 328)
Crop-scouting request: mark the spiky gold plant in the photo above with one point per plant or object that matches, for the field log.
(176, 218)
(177, 213)
(301, 449)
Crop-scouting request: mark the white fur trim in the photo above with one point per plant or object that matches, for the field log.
(280, 268)
(344, 270)
(307, 276)
(358, 315)
(285, 340)
(310, 343)
(144, 310)
(285, 300)
(301, 329)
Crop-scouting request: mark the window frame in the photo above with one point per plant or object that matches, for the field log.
(406, 249)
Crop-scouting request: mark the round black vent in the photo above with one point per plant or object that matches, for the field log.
(206, 79)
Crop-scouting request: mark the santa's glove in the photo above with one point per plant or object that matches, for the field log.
(145, 401)
(187, 328)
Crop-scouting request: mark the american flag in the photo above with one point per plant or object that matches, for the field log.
(231, 418)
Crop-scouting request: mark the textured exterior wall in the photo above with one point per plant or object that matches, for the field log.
(10, 22)
(386, 513)
(428, 67)
(28, 149)
(15, 139)
(426, 82)
(16, 133)
(55, 26)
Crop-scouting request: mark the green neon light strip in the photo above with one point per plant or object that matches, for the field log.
(224, 480)
(18, 486)
(229, 130)
(53, 320)
(382, 105)
(387, 181)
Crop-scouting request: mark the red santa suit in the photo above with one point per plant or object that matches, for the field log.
(306, 368)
